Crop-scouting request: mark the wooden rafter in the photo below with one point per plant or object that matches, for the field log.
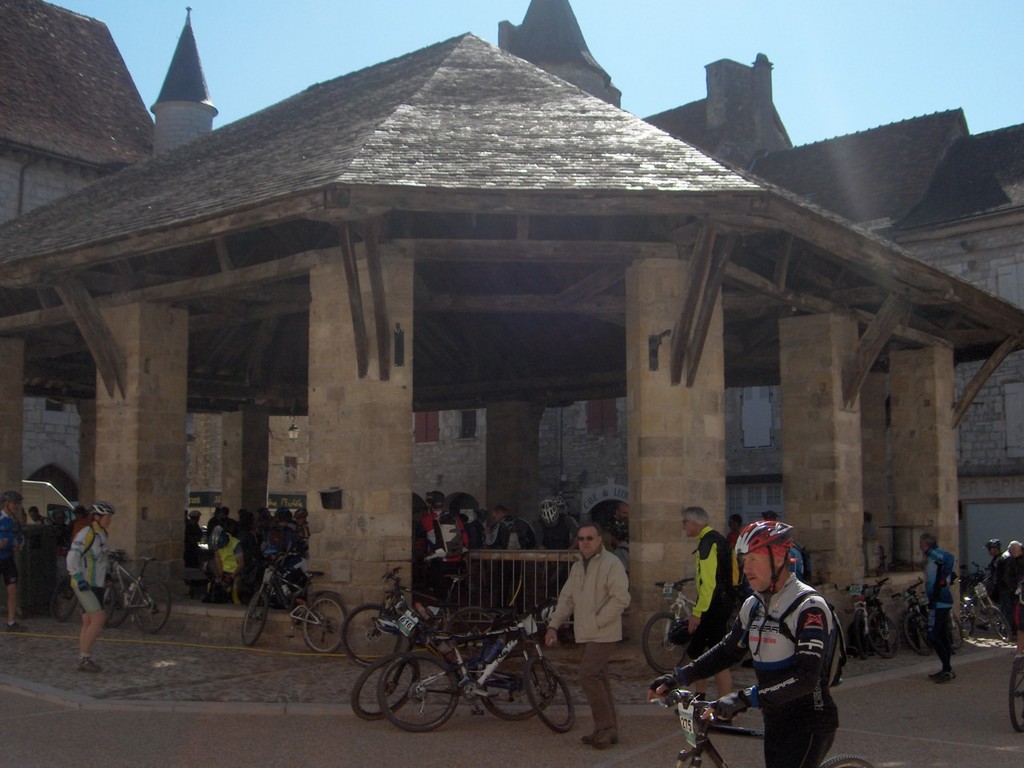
(256, 366)
(355, 302)
(893, 313)
(974, 386)
(700, 262)
(720, 257)
(381, 321)
(110, 362)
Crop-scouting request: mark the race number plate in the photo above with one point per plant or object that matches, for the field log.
(857, 589)
(686, 721)
(407, 623)
(666, 591)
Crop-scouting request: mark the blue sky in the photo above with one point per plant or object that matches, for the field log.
(840, 67)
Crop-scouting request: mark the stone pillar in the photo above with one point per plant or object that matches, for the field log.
(875, 467)
(924, 476)
(86, 451)
(140, 438)
(12, 413)
(245, 438)
(360, 431)
(676, 435)
(513, 456)
(821, 444)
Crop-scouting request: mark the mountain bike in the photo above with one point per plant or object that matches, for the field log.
(419, 692)
(1017, 694)
(697, 719)
(978, 612)
(915, 621)
(871, 629)
(149, 604)
(371, 629)
(666, 634)
(321, 614)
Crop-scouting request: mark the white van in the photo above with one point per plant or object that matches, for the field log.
(36, 493)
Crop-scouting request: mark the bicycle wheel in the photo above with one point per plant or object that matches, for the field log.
(1017, 695)
(323, 624)
(114, 605)
(362, 639)
(661, 653)
(549, 695)
(998, 624)
(883, 635)
(363, 696)
(915, 631)
(506, 691)
(475, 620)
(846, 761)
(255, 617)
(63, 601)
(154, 607)
(417, 693)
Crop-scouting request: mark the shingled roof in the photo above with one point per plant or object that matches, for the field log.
(980, 175)
(878, 174)
(460, 114)
(65, 90)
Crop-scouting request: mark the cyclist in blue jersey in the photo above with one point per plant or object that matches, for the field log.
(939, 566)
(11, 542)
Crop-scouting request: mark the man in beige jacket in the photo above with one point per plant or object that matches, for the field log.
(595, 594)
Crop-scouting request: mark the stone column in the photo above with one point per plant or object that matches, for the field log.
(676, 435)
(360, 431)
(140, 438)
(245, 438)
(513, 456)
(821, 444)
(875, 466)
(12, 413)
(924, 476)
(86, 451)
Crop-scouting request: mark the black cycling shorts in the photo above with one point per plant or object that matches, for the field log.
(9, 571)
(713, 625)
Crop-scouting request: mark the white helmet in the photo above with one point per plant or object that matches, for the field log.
(550, 508)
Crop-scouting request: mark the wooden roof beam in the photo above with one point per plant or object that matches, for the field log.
(355, 301)
(700, 264)
(712, 289)
(894, 312)
(381, 321)
(110, 362)
(974, 386)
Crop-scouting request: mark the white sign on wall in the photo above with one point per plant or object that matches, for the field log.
(595, 494)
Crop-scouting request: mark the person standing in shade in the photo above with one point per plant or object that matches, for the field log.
(710, 618)
(11, 542)
(88, 560)
(595, 594)
(938, 575)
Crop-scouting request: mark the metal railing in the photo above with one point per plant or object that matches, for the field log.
(522, 578)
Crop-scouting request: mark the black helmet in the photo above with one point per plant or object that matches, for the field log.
(10, 496)
(994, 543)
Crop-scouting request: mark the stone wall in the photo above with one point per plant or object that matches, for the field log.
(36, 181)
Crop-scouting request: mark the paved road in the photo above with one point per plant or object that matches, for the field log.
(168, 702)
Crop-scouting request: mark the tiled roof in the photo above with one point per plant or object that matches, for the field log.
(979, 175)
(185, 80)
(458, 115)
(875, 174)
(64, 88)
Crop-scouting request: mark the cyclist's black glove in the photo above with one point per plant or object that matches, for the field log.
(669, 681)
(731, 705)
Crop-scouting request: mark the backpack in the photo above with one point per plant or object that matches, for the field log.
(803, 567)
(835, 653)
(448, 530)
(521, 536)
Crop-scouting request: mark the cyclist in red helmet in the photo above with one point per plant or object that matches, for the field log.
(785, 624)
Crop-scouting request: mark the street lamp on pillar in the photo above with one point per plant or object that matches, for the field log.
(293, 431)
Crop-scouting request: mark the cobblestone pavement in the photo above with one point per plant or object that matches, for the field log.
(172, 668)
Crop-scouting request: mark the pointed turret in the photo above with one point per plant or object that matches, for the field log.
(183, 110)
(550, 37)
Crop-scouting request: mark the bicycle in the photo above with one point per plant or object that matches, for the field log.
(871, 629)
(371, 629)
(666, 634)
(419, 692)
(1017, 694)
(321, 614)
(977, 609)
(697, 719)
(915, 621)
(149, 604)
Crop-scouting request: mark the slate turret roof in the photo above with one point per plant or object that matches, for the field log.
(185, 80)
(65, 90)
(550, 34)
